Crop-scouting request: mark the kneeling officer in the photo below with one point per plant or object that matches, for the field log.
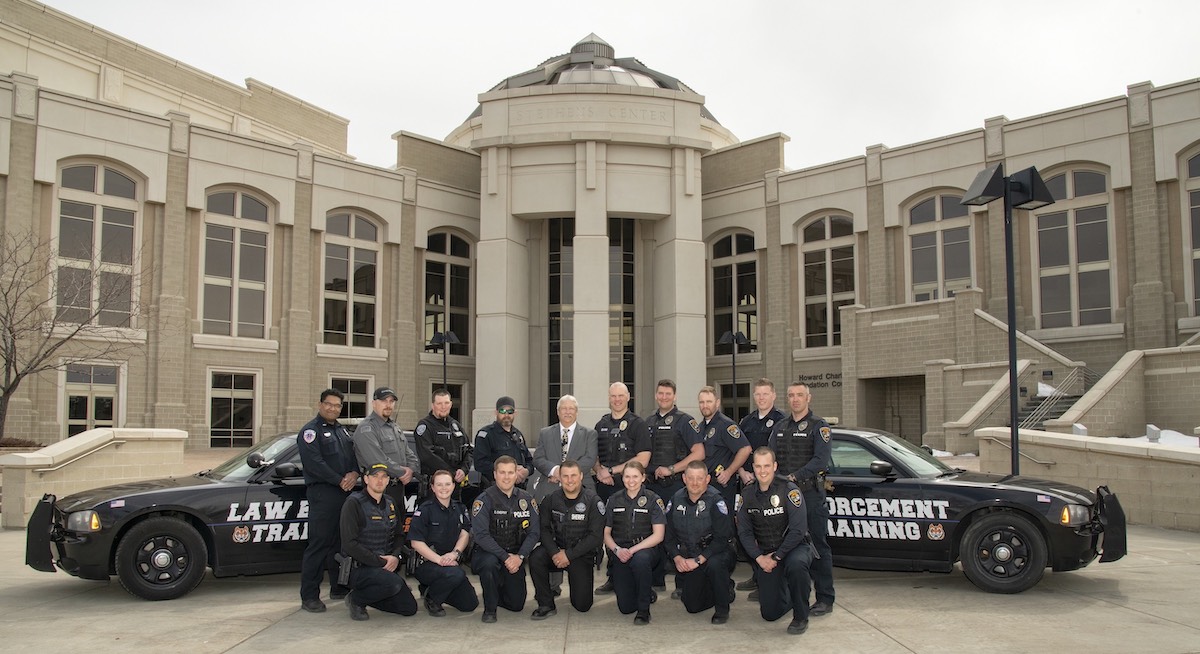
(372, 537)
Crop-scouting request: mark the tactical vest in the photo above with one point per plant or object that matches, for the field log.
(793, 451)
(444, 537)
(614, 445)
(505, 525)
(666, 448)
(631, 522)
(376, 534)
(570, 518)
(447, 439)
(768, 516)
(694, 524)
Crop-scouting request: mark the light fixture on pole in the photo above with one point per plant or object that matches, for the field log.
(1021, 190)
(444, 341)
(736, 339)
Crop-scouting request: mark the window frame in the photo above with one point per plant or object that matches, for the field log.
(751, 327)
(445, 317)
(235, 282)
(1190, 189)
(941, 288)
(256, 399)
(351, 299)
(830, 300)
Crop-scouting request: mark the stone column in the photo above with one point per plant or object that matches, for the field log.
(591, 349)
(1151, 318)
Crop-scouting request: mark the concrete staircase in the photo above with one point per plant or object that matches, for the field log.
(1055, 408)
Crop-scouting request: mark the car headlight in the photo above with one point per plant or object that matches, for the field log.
(1074, 515)
(83, 521)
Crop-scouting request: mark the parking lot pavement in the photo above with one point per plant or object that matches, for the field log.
(1144, 603)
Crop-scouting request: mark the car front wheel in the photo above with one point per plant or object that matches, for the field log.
(161, 558)
(1003, 552)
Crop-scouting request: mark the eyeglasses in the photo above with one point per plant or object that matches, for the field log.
(331, 405)
(507, 412)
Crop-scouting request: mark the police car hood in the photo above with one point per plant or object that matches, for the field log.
(90, 498)
(1066, 492)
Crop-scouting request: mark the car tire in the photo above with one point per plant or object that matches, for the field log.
(1003, 552)
(161, 559)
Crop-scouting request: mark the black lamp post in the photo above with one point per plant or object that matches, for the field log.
(736, 339)
(1022, 190)
(444, 341)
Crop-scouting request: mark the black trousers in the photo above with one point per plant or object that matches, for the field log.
(500, 588)
(378, 588)
(785, 587)
(821, 569)
(324, 539)
(447, 585)
(632, 580)
(706, 586)
(580, 576)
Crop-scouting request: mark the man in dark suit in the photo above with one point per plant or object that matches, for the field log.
(565, 439)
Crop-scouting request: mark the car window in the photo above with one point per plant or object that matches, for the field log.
(914, 458)
(236, 468)
(850, 459)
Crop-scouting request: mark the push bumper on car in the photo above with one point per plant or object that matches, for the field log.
(49, 545)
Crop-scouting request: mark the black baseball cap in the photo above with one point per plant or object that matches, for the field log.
(375, 468)
(383, 392)
(505, 402)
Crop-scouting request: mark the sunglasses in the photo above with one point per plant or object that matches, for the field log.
(507, 412)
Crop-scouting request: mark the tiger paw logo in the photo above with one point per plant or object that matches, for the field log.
(936, 531)
(241, 534)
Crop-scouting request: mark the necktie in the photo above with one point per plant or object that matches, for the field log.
(564, 444)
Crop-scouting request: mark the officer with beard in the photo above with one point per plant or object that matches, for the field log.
(699, 543)
(379, 439)
(502, 438)
(441, 443)
(725, 447)
(773, 527)
(506, 528)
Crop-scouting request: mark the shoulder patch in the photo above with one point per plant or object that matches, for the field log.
(695, 425)
(734, 431)
(417, 513)
(482, 434)
(722, 508)
(475, 507)
(661, 507)
(310, 435)
(825, 434)
(737, 502)
(420, 429)
(600, 506)
(794, 496)
(534, 503)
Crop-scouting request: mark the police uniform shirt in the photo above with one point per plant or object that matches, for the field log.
(370, 529)
(326, 452)
(700, 528)
(578, 524)
(816, 431)
(620, 439)
(439, 526)
(441, 444)
(377, 439)
(492, 442)
(519, 513)
(780, 507)
(758, 430)
(722, 440)
(680, 429)
(633, 511)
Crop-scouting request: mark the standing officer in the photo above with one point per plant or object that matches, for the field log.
(373, 536)
(504, 523)
(725, 448)
(621, 437)
(502, 438)
(757, 427)
(801, 445)
(572, 530)
(330, 472)
(699, 542)
(441, 443)
(773, 527)
(439, 533)
(675, 442)
(635, 527)
(379, 439)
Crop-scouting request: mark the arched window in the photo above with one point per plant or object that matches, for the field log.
(735, 290)
(448, 289)
(939, 234)
(1072, 253)
(236, 254)
(1192, 227)
(98, 212)
(351, 280)
(827, 278)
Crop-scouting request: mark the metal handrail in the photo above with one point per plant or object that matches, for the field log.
(1043, 409)
(1002, 400)
(1023, 454)
(74, 459)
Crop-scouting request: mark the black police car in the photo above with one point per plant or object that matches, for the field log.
(895, 507)
(247, 516)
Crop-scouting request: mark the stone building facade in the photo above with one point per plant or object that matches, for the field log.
(591, 220)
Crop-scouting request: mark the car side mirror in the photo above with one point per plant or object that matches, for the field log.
(881, 468)
(286, 471)
(254, 460)
(928, 450)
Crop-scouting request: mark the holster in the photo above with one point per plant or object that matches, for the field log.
(345, 565)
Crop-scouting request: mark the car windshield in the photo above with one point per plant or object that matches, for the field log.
(916, 459)
(236, 468)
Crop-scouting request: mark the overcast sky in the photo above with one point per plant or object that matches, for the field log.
(836, 77)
